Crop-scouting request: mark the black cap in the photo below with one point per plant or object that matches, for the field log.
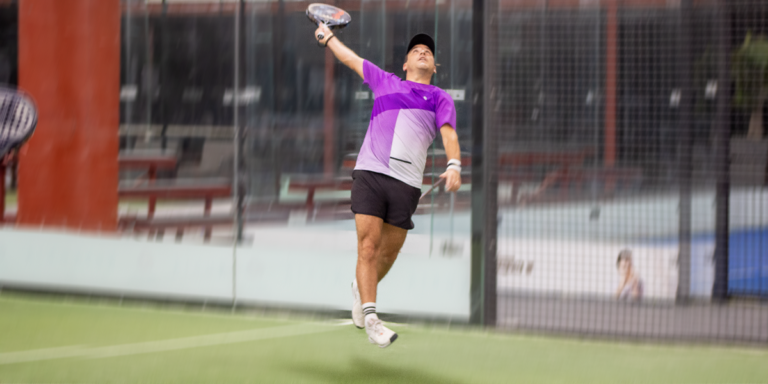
(422, 38)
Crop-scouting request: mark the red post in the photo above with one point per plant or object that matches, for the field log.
(611, 80)
(69, 61)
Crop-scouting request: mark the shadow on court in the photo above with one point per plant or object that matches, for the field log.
(365, 371)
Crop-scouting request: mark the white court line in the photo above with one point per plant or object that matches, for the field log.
(165, 345)
(208, 340)
(41, 354)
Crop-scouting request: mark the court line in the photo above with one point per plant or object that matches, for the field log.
(209, 340)
(41, 354)
(108, 303)
(165, 345)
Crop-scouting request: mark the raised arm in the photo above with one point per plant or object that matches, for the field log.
(452, 152)
(341, 51)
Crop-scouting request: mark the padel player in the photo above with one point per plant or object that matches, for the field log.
(388, 175)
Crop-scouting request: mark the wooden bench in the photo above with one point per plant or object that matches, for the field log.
(179, 191)
(611, 179)
(172, 190)
(311, 184)
(149, 162)
(156, 227)
(516, 167)
(152, 163)
(152, 191)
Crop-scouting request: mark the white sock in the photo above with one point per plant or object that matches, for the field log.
(369, 309)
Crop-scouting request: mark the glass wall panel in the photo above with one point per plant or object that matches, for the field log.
(176, 119)
(304, 130)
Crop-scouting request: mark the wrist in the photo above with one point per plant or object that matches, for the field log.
(328, 40)
(454, 164)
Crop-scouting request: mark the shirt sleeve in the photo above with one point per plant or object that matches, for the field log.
(445, 113)
(373, 76)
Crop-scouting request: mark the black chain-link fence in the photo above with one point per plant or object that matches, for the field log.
(632, 197)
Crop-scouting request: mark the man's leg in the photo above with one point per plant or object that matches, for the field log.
(378, 245)
(370, 230)
(369, 236)
(392, 239)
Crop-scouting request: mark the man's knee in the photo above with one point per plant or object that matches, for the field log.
(387, 255)
(368, 249)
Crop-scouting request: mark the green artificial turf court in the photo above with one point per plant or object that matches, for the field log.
(59, 339)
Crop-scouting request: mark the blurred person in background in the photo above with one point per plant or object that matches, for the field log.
(389, 171)
(630, 283)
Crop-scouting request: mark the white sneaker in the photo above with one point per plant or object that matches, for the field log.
(378, 333)
(358, 318)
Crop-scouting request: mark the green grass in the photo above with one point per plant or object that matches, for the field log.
(338, 354)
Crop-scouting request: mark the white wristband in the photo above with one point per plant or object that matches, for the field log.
(454, 162)
(455, 168)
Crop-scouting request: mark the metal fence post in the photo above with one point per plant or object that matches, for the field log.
(722, 143)
(685, 132)
(484, 163)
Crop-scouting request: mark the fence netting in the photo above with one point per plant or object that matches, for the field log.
(632, 196)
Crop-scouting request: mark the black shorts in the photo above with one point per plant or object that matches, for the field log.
(385, 197)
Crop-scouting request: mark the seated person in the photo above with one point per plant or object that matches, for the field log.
(630, 284)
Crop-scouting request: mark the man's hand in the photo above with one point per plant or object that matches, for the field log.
(452, 180)
(322, 28)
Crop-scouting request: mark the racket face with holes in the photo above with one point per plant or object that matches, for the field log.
(18, 119)
(332, 17)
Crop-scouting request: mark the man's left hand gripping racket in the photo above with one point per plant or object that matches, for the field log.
(18, 119)
(332, 17)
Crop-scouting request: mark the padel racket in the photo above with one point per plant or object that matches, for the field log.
(332, 17)
(435, 185)
(18, 119)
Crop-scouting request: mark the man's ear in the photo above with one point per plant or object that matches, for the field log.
(405, 65)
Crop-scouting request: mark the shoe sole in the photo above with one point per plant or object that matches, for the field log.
(391, 340)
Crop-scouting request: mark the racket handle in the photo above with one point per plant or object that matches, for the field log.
(321, 35)
(432, 187)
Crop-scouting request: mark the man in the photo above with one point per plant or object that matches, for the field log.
(630, 284)
(388, 175)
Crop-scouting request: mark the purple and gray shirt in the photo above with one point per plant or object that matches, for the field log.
(405, 120)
